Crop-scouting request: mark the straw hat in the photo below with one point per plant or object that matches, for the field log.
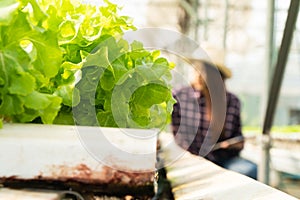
(224, 71)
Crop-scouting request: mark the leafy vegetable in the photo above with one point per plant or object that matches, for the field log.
(29, 59)
(61, 60)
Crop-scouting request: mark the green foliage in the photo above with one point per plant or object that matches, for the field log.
(275, 129)
(62, 57)
(287, 129)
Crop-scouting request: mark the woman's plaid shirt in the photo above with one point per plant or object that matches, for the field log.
(190, 128)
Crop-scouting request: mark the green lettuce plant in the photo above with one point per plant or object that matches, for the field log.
(66, 62)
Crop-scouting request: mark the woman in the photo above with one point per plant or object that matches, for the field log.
(198, 115)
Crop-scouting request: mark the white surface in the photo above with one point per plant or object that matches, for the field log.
(193, 177)
(28, 150)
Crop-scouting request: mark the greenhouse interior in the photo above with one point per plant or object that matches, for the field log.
(149, 100)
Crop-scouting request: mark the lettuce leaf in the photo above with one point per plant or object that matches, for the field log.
(66, 62)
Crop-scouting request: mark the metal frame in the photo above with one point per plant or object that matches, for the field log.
(276, 84)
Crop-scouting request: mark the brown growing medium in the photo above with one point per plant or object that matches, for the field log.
(106, 175)
(81, 178)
